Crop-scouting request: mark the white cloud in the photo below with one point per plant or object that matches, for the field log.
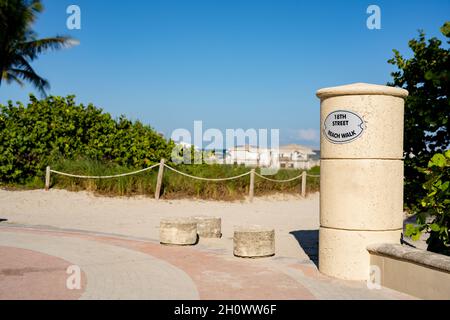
(308, 134)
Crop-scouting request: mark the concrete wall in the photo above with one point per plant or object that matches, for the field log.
(416, 272)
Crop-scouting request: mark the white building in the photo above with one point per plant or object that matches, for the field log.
(289, 156)
(297, 157)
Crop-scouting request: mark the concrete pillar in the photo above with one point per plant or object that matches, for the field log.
(361, 178)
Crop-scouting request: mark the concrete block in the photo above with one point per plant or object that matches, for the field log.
(361, 194)
(209, 227)
(381, 109)
(423, 274)
(254, 242)
(178, 231)
(343, 253)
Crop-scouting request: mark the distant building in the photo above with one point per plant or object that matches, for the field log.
(296, 157)
(289, 156)
(247, 155)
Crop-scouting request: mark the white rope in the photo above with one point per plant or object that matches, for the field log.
(274, 180)
(179, 172)
(313, 175)
(104, 177)
(207, 179)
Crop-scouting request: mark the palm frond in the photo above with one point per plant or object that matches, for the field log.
(17, 16)
(10, 76)
(28, 74)
(33, 8)
(31, 49)
(19, 44)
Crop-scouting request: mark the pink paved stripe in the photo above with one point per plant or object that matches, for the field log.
(30, 275)
(216, 277)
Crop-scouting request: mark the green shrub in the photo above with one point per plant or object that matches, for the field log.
(434, 217)
(46, 131)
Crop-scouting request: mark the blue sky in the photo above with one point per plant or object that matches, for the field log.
(232, 64)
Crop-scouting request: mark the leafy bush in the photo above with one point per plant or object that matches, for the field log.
(434, 217)
(427, 127)
(56, 128)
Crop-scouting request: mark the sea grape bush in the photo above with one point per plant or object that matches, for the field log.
(45, 131)
(434, 215)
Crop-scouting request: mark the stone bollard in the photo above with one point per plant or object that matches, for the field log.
(361, 178)
(178, 231)
(209, 227)
(254, 242)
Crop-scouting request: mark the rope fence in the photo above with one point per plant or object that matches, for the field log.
(207, 179)
(252, 173)
(279, 181)
(103, 177)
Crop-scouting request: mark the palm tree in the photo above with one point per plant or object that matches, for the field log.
(19, 45)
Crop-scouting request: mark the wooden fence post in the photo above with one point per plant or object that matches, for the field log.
(47, 178)
(160, 178)
(252, 185)
(304, 184)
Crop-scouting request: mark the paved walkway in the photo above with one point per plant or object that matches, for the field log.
(33, 261)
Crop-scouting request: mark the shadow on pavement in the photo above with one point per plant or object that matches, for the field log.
(309, 242)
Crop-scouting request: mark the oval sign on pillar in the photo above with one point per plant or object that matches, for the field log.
(343, 126)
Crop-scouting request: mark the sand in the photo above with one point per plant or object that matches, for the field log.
(295, 220)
